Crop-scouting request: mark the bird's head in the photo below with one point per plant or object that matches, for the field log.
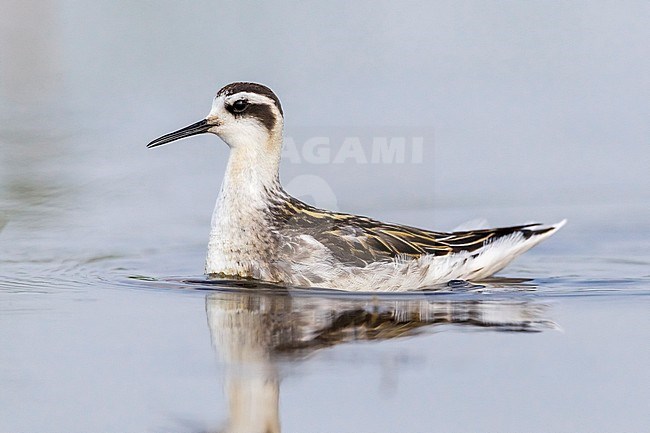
(243, 115)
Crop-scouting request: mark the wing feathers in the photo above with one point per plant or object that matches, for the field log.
(357, 240)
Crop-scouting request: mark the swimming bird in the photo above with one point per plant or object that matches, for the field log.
(261, 232)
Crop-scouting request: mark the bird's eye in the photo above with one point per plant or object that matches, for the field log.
(240, 106)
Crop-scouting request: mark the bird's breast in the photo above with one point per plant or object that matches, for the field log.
(241, 242)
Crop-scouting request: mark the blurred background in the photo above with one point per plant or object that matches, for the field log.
(518, 102)
(511, 111)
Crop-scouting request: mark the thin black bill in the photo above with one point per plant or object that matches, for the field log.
(199, 127)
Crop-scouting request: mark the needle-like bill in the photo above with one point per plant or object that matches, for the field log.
(199, 127)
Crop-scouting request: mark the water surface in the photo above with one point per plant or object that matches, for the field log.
(128, 339)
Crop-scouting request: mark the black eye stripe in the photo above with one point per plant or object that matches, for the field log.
(263, 113)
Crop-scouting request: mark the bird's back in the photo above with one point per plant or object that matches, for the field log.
(358, 240)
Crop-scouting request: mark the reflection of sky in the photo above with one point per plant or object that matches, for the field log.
(529, 103)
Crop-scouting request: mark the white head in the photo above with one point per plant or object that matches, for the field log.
(247, 116)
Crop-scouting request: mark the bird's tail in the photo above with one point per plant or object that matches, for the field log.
(506, 245)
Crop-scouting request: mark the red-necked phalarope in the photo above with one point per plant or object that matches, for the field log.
(261, 232)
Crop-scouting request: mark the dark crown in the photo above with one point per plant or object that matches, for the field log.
(260, 89)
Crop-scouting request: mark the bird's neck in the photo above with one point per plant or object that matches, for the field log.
(249, 184)
(252, 172)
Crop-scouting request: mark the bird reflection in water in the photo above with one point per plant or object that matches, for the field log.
(253, 332)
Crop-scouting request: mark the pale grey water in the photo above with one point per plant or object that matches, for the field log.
(527, 112)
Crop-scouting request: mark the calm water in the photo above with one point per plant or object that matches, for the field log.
(103, 334)
(107, 325)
